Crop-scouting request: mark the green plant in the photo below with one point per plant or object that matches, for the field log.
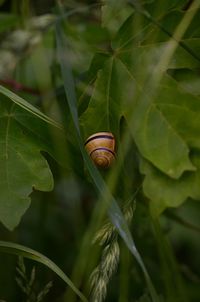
(108, 238)
(26, 283)
(132, 68)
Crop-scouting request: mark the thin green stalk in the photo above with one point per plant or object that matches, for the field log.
(174, 288)
(25, 10)
(124, 282)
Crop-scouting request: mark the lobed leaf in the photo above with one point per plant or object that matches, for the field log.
(166, 192)
(163, 119)
(25, 132)
(22, 167)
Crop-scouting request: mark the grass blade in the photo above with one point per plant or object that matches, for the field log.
(20, 250)
(28, 107)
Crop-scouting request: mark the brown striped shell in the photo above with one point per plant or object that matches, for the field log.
(101, 148)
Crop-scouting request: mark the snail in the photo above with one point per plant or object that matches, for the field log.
(101, 148)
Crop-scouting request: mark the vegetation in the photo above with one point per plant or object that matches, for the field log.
(70, 69)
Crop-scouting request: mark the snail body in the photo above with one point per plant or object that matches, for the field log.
(101, 148)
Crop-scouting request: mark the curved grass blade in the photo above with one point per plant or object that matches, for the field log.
(28, 107)
(20, 250)
(114, 211)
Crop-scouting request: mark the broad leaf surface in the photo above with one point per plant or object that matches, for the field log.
(22, 165)
(165, 192)
(118, 86)
(187, 79)
(165, 126)
(164, 118)
(169, 21)
(103, 112)
(114, 13)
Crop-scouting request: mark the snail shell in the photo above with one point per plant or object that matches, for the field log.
(101, 148)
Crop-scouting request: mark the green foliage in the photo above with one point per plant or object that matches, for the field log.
(7, 21)
(176, 191)
(137, 80)
(26, 283)
(114, 14)
(109, 202)
(134, 66)
(108, 238)
(105, 102)
(162, 116)
(23, 137)
(20, 162)
(22, 251)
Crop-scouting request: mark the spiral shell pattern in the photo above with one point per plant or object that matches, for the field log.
(101, 148)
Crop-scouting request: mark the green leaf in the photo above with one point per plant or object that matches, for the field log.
(135, 56)
(103, 103)
(169, 21)
(153, 133)
(22, 167)
(20, 250)
(85, 87)
(166, 192)
(114, 90)
(187, 79)
(163, 120)
(153, 130)
(50, 139)
(152, 127)
(114, 14)
(181, 110)
(28, 107)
